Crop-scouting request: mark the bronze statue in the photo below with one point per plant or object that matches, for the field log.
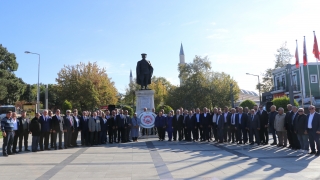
(144, 72)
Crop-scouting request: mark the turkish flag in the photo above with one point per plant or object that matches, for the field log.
(297, 56)
(315, 47)
(305, 60)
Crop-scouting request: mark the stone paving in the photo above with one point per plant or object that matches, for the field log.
(152, 159)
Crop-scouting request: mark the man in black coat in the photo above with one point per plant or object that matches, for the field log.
(271, 117)
(111, 124)
(23, 131)
(214, 116)
(57, 129)
(190, 125)
(313, 129)
(121, 125)
(84, 119)
(220, 126)
(205, 124)
(288, 119)
(176, 125)
(76, 128)
(45, 122)
(263, 116)
(67, 129)
(294, 138)
(226, 130)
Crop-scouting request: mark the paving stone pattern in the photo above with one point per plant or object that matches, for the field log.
(152, 159)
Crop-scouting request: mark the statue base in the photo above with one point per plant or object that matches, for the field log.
(145, 99)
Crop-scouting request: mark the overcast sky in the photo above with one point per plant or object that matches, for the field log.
(237, 36)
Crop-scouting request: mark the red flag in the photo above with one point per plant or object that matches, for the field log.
(297, 56)
(305, 60)
(315, 47)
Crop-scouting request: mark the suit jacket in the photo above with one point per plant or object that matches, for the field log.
(301, 124)
(128, 121)
(160, 121)
(176, 124)
(253, 123)
(288, 119)
(92, 123)
(20, 126)
(228, 118)
(75, 123)
(84, 124)
(103, 124)
(57, 123)
(315, 122)
(271, 117)
(190, 122)
(220, 121)
(291, 122)
(67, 124)
(244, 120)
(121, 122)
(110, 122)
(263, 118)
(205, 121)
(45, 124)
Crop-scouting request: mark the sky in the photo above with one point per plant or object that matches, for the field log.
(239, 37)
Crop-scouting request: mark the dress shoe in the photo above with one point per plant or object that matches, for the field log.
(251, 143)
(11, 153)
(20, 150)
(274, 143)
(26, 150)
(5, 155)
(317, 154)
(312, 152)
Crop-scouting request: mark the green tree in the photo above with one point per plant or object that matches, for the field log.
(66, 106)
(282, 58)
(247, 103)
(11, 87)
(283, 102)
(87, 86)
(129, 109)
(166, 108)
(202, 87)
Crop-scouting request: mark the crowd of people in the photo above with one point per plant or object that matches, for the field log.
(236, 125)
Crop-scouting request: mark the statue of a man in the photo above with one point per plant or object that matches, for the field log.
(144, 72)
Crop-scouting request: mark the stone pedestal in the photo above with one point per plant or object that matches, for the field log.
(145, 99)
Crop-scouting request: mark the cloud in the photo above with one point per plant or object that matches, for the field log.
(189, 23)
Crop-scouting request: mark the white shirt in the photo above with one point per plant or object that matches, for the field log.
(310, 120)
(218, 119)
(77, 120)
(225, 117)
(15, 124)
(214, 118)
(240, 115)
(198, 117)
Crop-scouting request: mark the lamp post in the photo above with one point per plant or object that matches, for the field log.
(38, 88)
(259, 85)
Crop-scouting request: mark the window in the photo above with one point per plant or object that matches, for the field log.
(313, 78)
(294, 79)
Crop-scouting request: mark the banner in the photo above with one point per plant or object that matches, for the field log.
(147, 119)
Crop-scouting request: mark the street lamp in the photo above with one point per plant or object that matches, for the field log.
(38, 88)
(259, 85)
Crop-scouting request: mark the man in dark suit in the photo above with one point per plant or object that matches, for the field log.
(220, 126)
(190, 125)
(128, 126)
(232, 125)
(271, 117)
(76, 128)
(263, 116)
(23, 131)
(144, 72)
(176, 126)
(197, 122)
(110, 124)
(205, 124)
(226, 132)
(57, 129)
(67, 129)
(314, 130)
(294, 138)
(45, 122)
(241, 123)
(214, 116)
(121, 125)
(288, 119)
(85, 136)
(253, 125)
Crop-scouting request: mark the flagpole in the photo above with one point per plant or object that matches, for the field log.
(317, 61)
(301, 89)
(309, 84)
(305, 63)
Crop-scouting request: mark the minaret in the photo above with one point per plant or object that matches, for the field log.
(131, 79)
(182, 61)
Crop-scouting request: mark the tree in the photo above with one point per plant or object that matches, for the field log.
(247, 103)
(202, 87)
(87, 86)
(283, 102)
(166, 108)
(11, 87)
(27, 95)
(283, 58)
(66, 106)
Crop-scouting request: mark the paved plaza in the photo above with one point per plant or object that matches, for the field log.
(152, 159)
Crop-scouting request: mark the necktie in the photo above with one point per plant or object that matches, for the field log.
(252, 117)
(240, 118)
(232, 118)
(217, 120)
